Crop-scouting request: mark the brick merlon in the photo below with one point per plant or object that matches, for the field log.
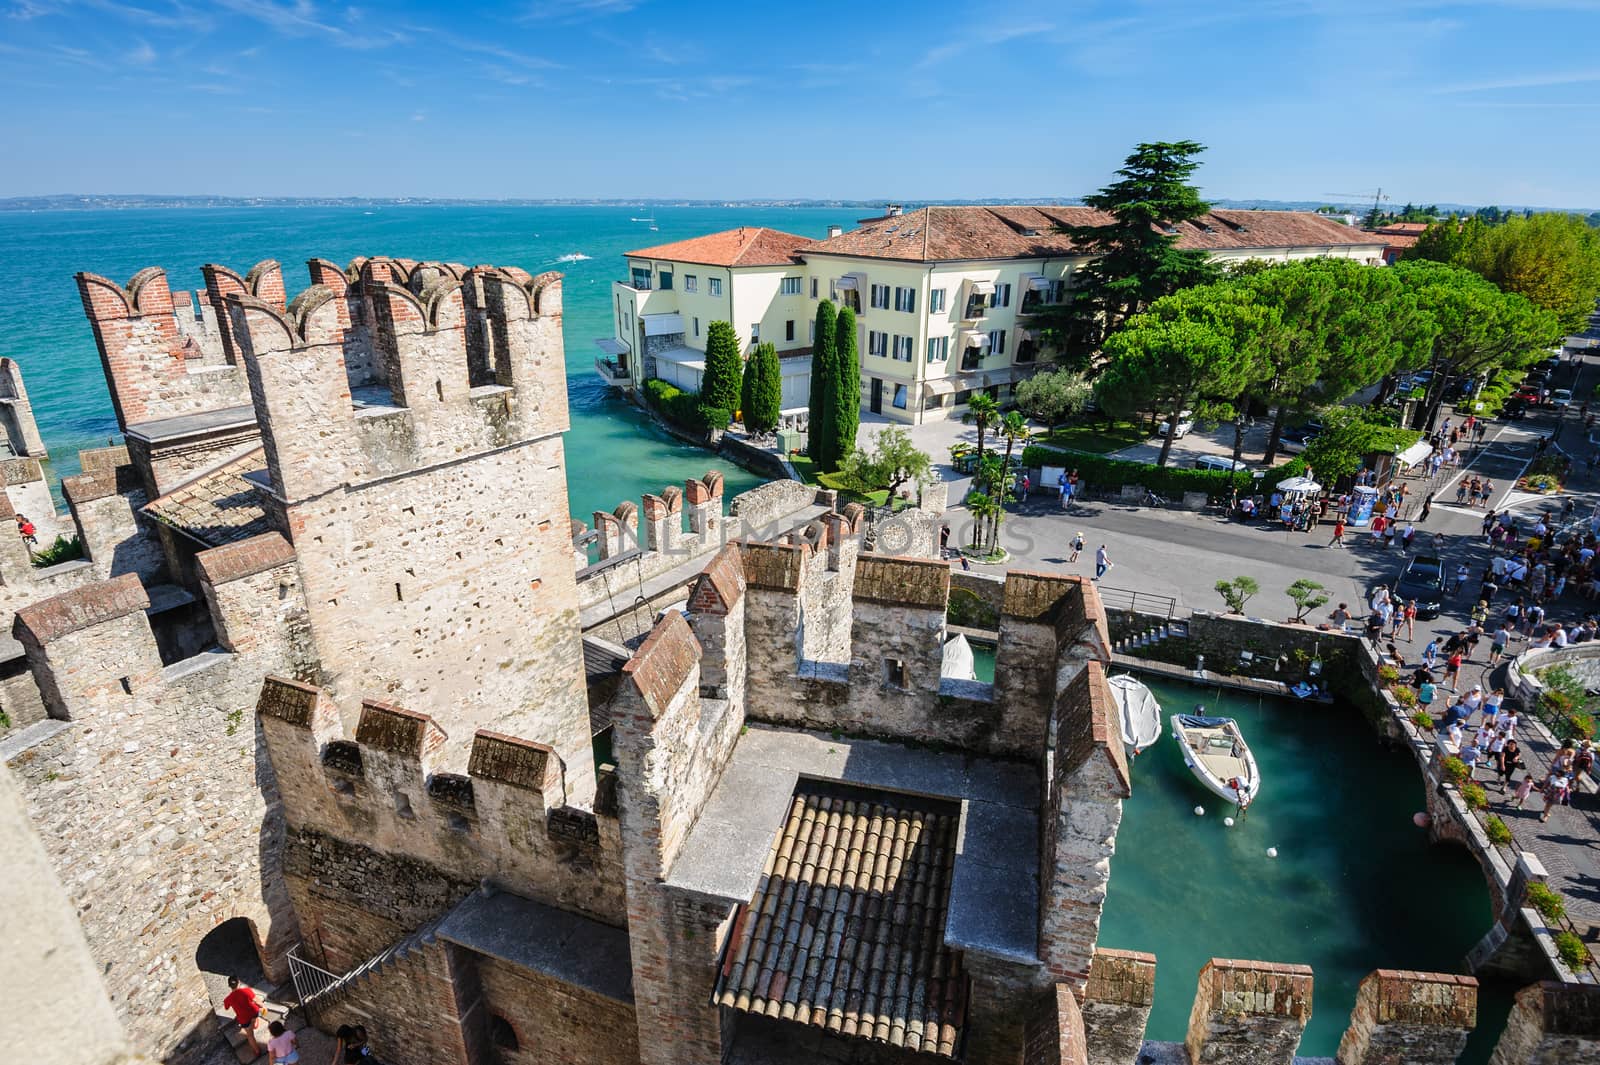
(397, 730)
(661, 665)
(87, 487)
(1121, 977)
(244, 558)
(289, 700)
(518, 762)
(82, 608)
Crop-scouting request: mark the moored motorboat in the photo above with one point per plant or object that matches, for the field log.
(1140, 713)
(958, 661)
(1216, 753)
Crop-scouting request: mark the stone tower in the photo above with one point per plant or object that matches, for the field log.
(412, 418)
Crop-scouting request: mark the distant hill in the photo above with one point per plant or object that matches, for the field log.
(113, 202)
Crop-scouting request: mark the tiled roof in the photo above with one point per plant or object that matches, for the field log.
(745, 246)
(936, 234)
(1403, 229)
(846, 929)
(218, 506)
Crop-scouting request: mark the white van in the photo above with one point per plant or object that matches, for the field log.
(1218, 462)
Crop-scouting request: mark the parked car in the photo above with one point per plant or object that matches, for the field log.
(1185, 423)
(1296, 437)
(1528, 394)
(1514, 409)
(1219, 462)
(1546, 365)
(1561, 398)
(1422, 580)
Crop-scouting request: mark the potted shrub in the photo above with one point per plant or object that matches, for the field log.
(1474, 796)
(1422, 719)
(1573, 953)
(1499, 835)
(1547, 900)
(1388, 675)
(1405, 696)
(1455, 770)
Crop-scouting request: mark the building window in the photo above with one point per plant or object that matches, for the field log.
(938, 349)
(1058, 291)
(1002, 295)
(933, 403)
(812, 333)
(716, 285)
(900, 396)
(905, 299)
(813, 288)
(641, 278)
(666, 280)
(997, 342)
(790, 286)
(936, 301)
(501, 1034)
(691, 283)
(894, 673)
(1027, 350)
(977, 303)
(755, 332)
(697, 327)
(902, 347)
(627, 317)
(877, 343)
(788, 329)
(971, 358)
(880, 297)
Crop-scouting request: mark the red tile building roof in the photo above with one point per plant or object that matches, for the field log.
(745, 246)
(938, 234)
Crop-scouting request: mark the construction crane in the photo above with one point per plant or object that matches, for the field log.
(1377, 198)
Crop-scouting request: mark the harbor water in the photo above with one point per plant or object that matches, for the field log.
(613, 451)
(1355, 885)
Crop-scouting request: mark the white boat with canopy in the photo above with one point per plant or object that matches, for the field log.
(1140, 713)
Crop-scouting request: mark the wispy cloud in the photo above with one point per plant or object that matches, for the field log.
(301, 18)
(141, 54)
(576, 10)
(1526, 81)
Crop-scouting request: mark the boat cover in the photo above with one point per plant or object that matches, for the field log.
(1195, 721)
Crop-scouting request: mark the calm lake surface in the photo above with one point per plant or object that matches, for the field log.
(613, 452)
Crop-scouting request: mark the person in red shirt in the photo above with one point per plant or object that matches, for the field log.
(246, 1009)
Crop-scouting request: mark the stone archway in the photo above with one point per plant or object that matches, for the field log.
(232, 948)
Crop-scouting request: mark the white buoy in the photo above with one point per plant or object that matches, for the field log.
(1199, 811)
(1228, 821)
(1272, 852)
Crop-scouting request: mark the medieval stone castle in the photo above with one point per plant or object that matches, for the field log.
(322, 676)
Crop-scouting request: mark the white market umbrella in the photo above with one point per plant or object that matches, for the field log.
(1299, 484)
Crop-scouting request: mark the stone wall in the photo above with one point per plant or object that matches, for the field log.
(421, 1008)
(555, 1023)
(381, 841)
(1116, 1004)
(1409, 1018)
(1551, 1024)
(1248, 1013)
(166, 763)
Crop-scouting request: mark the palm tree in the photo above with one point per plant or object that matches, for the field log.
(1013, 427)
(983, 410)
(981, 507)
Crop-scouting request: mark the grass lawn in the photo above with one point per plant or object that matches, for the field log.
(1094, 437)
(808, 472)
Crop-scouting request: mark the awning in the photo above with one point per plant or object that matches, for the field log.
(972, 338)
(1415, 453)
(1036, 282)
(694, 360)
(610, 345)
(660, 325)
(940, 386)
(847, 283)
(983, 288)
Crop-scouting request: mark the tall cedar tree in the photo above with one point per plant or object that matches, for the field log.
(719, 386)
(845, 401)
(820, 435)
(765, 381)
(1135, 260)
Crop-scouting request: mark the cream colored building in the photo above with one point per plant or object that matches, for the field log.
(942, 295)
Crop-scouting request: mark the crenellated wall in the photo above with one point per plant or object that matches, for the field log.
(382, 839)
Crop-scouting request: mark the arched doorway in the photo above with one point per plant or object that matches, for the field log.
(229, 950)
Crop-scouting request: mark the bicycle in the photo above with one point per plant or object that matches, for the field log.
(1153, 498)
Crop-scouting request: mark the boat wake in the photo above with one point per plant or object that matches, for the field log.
(574, 257)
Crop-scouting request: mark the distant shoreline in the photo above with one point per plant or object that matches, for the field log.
(112, 202)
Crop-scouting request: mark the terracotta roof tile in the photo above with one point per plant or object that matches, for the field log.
(846, 929)
(936, 234)
(218, 506)
(745, 246)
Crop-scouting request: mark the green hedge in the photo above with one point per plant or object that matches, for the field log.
(680, 407)
(1167, 480)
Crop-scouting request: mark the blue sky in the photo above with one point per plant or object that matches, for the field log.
(1493, 102)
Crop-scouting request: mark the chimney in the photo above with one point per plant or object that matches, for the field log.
(834, 231)
(892, 210)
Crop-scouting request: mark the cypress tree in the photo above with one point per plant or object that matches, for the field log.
(763, 383)
(747, 390)
(846, 396)
(820, 435)
(719, 385)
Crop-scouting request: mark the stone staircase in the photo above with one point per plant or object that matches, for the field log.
(271, 1011)
(385, 959)
(1152, 633)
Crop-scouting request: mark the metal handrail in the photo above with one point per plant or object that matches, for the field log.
(1127, 599)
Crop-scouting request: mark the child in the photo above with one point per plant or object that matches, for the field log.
(283, 1048)
(1556, 793)
(1523, 789)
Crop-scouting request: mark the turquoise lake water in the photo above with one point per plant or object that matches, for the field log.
(1355, 886)
(613, 452)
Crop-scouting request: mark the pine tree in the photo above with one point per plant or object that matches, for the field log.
(823, 359)
(719, 386)
(845, 400)
(764, 380)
